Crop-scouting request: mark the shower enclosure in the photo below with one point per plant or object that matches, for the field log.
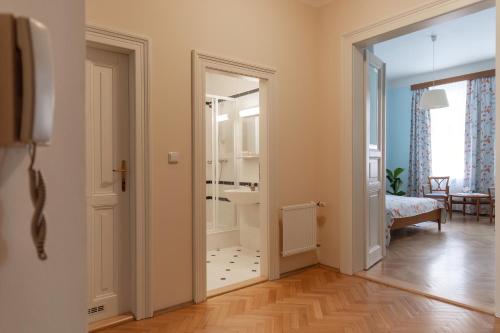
(221, 161)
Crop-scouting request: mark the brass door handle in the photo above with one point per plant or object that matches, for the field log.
(123, 170)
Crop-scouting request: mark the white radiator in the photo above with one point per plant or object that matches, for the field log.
(299, 228)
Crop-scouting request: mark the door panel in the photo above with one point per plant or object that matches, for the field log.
(108, 220)
(373, 170)
(374, 83)
(374, 245)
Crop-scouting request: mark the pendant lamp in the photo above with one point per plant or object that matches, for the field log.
(434, 98)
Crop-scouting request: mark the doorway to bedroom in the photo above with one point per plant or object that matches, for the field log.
(432, 231)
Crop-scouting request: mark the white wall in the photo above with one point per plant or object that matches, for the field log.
(48, 296)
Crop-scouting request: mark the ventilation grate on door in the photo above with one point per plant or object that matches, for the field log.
(95, 309)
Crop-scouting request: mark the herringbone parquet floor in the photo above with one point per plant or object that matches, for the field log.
(457, 263)
(316, 300)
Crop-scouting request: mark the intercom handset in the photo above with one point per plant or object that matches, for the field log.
(27, 101)
(26, 81)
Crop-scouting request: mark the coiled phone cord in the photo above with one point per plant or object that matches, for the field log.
(38, 196)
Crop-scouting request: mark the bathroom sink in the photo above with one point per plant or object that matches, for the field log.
(242, 196)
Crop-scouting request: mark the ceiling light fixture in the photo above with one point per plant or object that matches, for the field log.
(250, 112)
(222, 117)
(434, 98)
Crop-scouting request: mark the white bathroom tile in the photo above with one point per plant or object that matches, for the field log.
(231, 265)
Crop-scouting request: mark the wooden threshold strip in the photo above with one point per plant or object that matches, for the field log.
(466, 77)
(236, 286)
(110, 322)
(390, 282)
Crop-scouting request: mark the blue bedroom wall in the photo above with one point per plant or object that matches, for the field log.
(398, 120)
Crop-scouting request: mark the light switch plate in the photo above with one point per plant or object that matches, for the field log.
(173, 157)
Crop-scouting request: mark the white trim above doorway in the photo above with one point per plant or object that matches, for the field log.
(202, 62)
(351, 161)
(138, 49)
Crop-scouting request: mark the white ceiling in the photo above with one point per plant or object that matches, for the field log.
(316, 3)
(461, 41)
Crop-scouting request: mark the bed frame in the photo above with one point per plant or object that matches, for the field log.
(432, 216)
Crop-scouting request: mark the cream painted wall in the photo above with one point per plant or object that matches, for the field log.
(303, 44)
(282, 34)
(336, 19)
(48, 296)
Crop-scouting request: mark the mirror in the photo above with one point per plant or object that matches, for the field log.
(250, 135)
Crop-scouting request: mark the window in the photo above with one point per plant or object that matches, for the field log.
(448, 135)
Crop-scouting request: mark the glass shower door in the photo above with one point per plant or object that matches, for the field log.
(221, 175)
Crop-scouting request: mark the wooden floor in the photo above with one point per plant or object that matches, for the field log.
(317, 300)
(456, 264)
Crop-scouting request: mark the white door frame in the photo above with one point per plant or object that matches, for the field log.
(202, 62)
(351, 220)
(138, 50)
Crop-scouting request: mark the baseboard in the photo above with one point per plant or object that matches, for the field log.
(298, 270)
(110, 322)
(213, 293)
(172, 308)
(330, 268)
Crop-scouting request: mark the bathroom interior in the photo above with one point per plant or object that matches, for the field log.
(234, 233)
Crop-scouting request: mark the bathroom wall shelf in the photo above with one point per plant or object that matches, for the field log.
(249, 156)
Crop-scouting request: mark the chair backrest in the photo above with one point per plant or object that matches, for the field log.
(439, 184)
(491, 192)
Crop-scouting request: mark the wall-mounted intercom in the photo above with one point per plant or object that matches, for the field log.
(27, 101)
(26, 81)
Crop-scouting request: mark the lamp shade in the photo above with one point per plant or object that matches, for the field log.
(434, 99)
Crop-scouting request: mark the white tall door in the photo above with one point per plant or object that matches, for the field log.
(374, 83)
(108, 184)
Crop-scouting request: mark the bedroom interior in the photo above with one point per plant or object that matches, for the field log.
(440, 161)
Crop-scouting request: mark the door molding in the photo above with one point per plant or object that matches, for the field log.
(201, 62)
(352, 43)
(138, 50)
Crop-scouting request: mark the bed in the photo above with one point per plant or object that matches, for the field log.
(404, 211)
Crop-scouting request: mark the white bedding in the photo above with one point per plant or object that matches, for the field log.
(397, 206)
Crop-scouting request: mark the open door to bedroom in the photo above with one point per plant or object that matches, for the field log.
(374, 106)
(434, 231)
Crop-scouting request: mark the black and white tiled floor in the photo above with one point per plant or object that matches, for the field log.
(231, 265)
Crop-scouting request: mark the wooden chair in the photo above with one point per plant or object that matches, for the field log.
(439, 189)
(491, 194)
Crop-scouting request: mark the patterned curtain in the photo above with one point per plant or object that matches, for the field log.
(420, 146)
(480, 135)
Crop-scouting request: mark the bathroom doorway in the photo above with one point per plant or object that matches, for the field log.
(233, 226)
(234, 197)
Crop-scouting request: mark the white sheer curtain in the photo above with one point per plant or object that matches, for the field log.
(447, 136)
